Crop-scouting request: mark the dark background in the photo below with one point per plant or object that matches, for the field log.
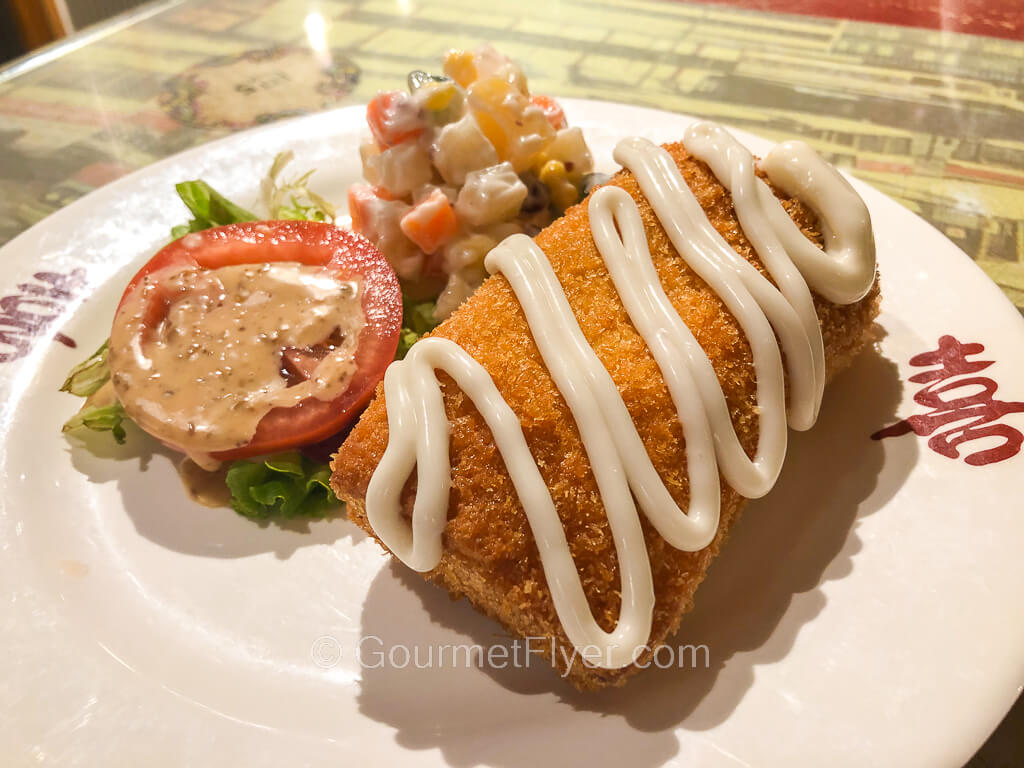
(10, 45)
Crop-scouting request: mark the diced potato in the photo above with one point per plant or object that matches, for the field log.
(500, 231)
(368, 150)
(533, 135)
(421, 194)
(462, 147)
(517, 130)
(455, 292)
(400, 169)
(452, 193)
(490, 63)
(570, 148)
(490, 195)
(379, 221)
(408, 265)
(467, 252)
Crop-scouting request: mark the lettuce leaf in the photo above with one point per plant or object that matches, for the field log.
(99, 418)
(89, 375)
(417, 319)
(84, 380)
(293, 199)
(284, 200)
(209, 208)
(287, 485)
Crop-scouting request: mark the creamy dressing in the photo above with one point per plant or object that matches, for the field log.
(101, 398)
(204, 486)
(778, 322)
(234, 343)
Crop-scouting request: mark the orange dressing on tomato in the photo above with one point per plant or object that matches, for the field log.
(204, 376)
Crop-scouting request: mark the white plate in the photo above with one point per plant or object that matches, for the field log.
(866, 613)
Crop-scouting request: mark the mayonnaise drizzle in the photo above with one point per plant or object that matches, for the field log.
(777, 321)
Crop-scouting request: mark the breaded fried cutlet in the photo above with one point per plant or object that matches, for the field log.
(489, 552)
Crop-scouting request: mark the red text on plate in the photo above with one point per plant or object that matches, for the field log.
(28, 314)
(962, 406)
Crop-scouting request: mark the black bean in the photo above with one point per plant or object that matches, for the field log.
(592, 180)
(538, 196)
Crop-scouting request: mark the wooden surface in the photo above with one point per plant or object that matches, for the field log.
(38, 22)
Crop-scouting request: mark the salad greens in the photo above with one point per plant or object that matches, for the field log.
(286, 485)
(293, 199)
(100, 418)
(283, 486)
(84, 380)
(89, 375)
(209, 209)
(417, 319)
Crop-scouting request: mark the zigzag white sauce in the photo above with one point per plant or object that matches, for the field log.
(769, 316)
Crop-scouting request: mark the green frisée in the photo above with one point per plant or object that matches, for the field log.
(293, 199)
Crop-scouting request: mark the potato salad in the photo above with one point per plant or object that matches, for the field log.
(456, 164)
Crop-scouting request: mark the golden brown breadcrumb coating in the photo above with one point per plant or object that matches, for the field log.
(489, 552)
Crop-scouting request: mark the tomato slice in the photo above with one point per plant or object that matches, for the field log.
(344, 253)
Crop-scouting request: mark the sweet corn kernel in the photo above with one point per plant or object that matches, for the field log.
(564, 194)
(440, 96)
(556, 178)
(553, 172)
(539, 161)
(459, 66)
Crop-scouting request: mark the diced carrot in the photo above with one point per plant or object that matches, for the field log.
(360, 197)
(393, 118)
(430, 223)
(552, 111)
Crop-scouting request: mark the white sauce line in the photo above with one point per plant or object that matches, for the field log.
(842, 273)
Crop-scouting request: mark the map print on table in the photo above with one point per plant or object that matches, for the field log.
(887, 103)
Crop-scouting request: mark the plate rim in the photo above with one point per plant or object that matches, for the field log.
(96, 197)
